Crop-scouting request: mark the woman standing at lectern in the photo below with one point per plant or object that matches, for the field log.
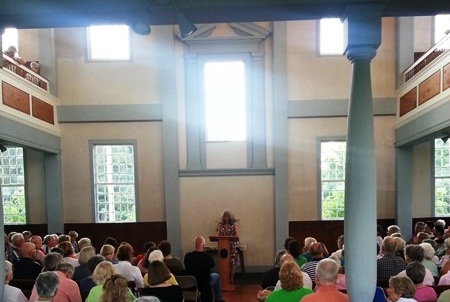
(228, 227)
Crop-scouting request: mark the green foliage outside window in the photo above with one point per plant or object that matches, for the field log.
(442, 177)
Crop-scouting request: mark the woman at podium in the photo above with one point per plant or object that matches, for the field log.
(228, 227)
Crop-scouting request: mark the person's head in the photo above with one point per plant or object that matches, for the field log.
(400, 287)
(308, 242)
(124, 252)
(418, 227)
(389, 245)
(8, 271)
(67, 248)
(440, 222)
(85, 254)
(165, 247)
(290, 275)
(94, 261)
(111, 241)
(147, 258)
(379, 230)
(63, 238)
(429, 225)
(316, 250)
(421, 236)
(155, 255)
(66, 268)
(57, 250)
(158, 273)
(340, 242)
(37, 241)
(27, 250)
(115, 288)
(414, 253)
(11, 52)
(327, 271)
(51, 240)
(286, 257)
(416, 272)
(401, 244)
(107, 251)
(72, 234)
(438, 231)
(17, 240)
(103, 271)
(83, 242)
(393, 229)
(278, 256)
(199, 243)
(26, 235)
(294, 248)
(148, 245)
(428, 250)
(51, 260)
(286, 242)
(147, 299)
(227, 217)
(447, 246)
(46, 284)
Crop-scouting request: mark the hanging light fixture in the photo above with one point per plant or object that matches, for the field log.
(141, 28)
(185, 25)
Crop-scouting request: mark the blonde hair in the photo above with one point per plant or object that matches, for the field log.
(103, 271)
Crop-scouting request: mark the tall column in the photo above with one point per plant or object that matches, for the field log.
(403, 189)
(2, 223)
(363, 32)
(53, 193)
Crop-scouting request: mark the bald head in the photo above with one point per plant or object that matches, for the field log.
(286, 257)
(199, 243)
(27, 250)
(316, 250)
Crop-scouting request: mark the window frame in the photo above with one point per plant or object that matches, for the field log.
(321, 140)
(89, 57)
(434, 187)
(92, 144)
(25, 188)
(435, 27)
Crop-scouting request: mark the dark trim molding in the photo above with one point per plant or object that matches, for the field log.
(226, 172)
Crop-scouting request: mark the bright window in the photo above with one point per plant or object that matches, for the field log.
(10, 38)
(441, 26)
(109, 43)
(442, 177)
(225, 101)
(332, 169)
(331, 36)
(114, 183)
(13, 186)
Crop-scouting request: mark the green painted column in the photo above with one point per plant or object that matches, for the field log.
(363, 32)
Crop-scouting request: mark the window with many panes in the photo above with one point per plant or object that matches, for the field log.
(224, 101)
(114, 182)
(10, 38)
(442, 177)
(13, 186)
(332, 176)
(331, 37)
(441, 26)
(109, 43)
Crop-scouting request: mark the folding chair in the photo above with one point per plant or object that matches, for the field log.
(189, 287)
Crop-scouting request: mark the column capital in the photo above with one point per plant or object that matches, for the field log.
(362, 27)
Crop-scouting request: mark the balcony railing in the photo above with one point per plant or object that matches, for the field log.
(25, 72)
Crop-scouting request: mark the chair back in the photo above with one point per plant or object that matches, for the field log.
(189, 287)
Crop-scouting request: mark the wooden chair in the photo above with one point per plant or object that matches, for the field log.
(189, 287)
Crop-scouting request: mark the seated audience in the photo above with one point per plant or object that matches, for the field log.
(47, 284)
(421, 236)
(286, 243)
(294, 249)
(416, 272)
(145, 261)
(83, 242)
(131, 273)
(292, 289)
(147, 299)
(199, 264)
(428, 229)
(416, 253)
(307, 282)
(157, 255)
(340, 246)
(390, 264)
(86, 284)
(418, 227)
(25, 267)
(174, 264)
(308, 241)
(67, 290)
(82, 271)
(401, 289)
(63, 238)
(317, 253)
(392, 229)
(68, 254)
(104, 271)
(400, 249)
(445, 257)
(147, 245)
(14, 248)
(12, 53)
(326, 274)
(11, 293)
(270, 277)
(37, 241)
(107, 251)
(50, 241)
(26, 236)
(445, 296)
(159, 285)
(73, 235)
(116, 288)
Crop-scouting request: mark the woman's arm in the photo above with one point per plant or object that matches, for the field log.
(236, 230)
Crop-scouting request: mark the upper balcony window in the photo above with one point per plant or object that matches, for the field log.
(10, 38)
(331, 37)
(109, 43)
(441, 27)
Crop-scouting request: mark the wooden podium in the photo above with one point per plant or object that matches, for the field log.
(223, 250)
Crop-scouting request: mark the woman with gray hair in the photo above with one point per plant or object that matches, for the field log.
(46, 285)
(11, 293)
(429, 254)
